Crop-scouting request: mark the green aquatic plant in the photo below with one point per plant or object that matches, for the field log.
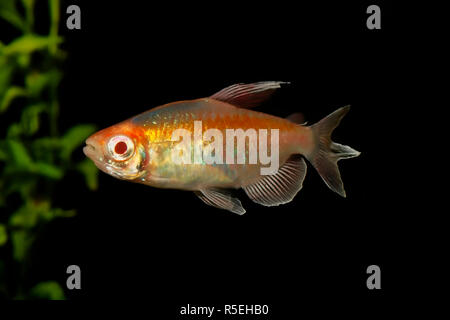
(34, 153)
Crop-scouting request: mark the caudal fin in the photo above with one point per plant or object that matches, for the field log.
(327, 153)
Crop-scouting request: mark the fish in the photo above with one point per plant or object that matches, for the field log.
(141, 149)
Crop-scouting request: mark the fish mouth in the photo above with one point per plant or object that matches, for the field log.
(89, 151)
(92, 153)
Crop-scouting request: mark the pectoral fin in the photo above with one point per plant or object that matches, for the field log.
(220, 199)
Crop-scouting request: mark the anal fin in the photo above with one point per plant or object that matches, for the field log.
(280, 188)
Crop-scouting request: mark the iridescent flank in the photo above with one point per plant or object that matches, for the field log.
(159, 124)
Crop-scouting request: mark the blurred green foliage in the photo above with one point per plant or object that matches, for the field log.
(49, 290)
(34, 154)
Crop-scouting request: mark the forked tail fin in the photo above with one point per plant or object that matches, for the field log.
(327, 153)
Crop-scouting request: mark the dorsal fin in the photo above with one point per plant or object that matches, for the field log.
(247, 95)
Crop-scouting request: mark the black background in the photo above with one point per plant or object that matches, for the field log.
(163, 249)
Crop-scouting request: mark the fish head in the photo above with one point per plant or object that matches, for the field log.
(118, 151)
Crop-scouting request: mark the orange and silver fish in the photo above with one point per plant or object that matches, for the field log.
(141, 149)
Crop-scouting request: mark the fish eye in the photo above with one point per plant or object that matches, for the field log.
(121, 147)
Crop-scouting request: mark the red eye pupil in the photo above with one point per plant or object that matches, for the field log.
(121, 147)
